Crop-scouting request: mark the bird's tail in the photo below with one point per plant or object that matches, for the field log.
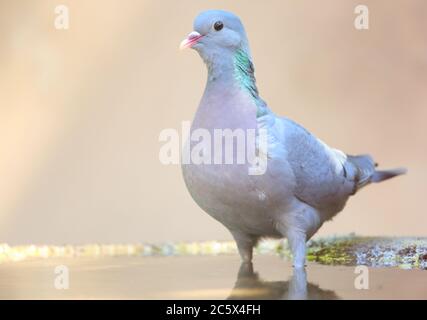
(366, 172)
(381, 175)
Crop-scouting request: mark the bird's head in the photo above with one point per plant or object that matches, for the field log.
(216, 33)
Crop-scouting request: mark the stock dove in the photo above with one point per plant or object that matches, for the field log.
(305, 182)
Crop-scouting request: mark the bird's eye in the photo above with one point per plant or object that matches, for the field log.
(218, 25)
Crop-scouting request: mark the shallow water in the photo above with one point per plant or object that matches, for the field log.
(202, 277)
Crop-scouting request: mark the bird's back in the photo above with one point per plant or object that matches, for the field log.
(326, 177)
(320, 171)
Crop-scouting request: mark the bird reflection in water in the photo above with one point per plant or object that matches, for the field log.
(250, 286)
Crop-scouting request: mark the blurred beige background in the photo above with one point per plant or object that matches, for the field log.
(81, 111)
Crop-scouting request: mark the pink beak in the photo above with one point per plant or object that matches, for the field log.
(192, 39)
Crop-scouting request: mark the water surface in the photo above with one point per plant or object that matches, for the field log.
(202, 277)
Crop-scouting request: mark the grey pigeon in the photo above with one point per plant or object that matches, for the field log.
(305, 182)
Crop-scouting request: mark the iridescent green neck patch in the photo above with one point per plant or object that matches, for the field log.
(244, 73)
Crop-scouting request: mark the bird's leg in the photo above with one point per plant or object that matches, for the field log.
(246, 270)
(245, 244)
(298, 285)
(298, 226)
(246, 276)
(297, 240)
